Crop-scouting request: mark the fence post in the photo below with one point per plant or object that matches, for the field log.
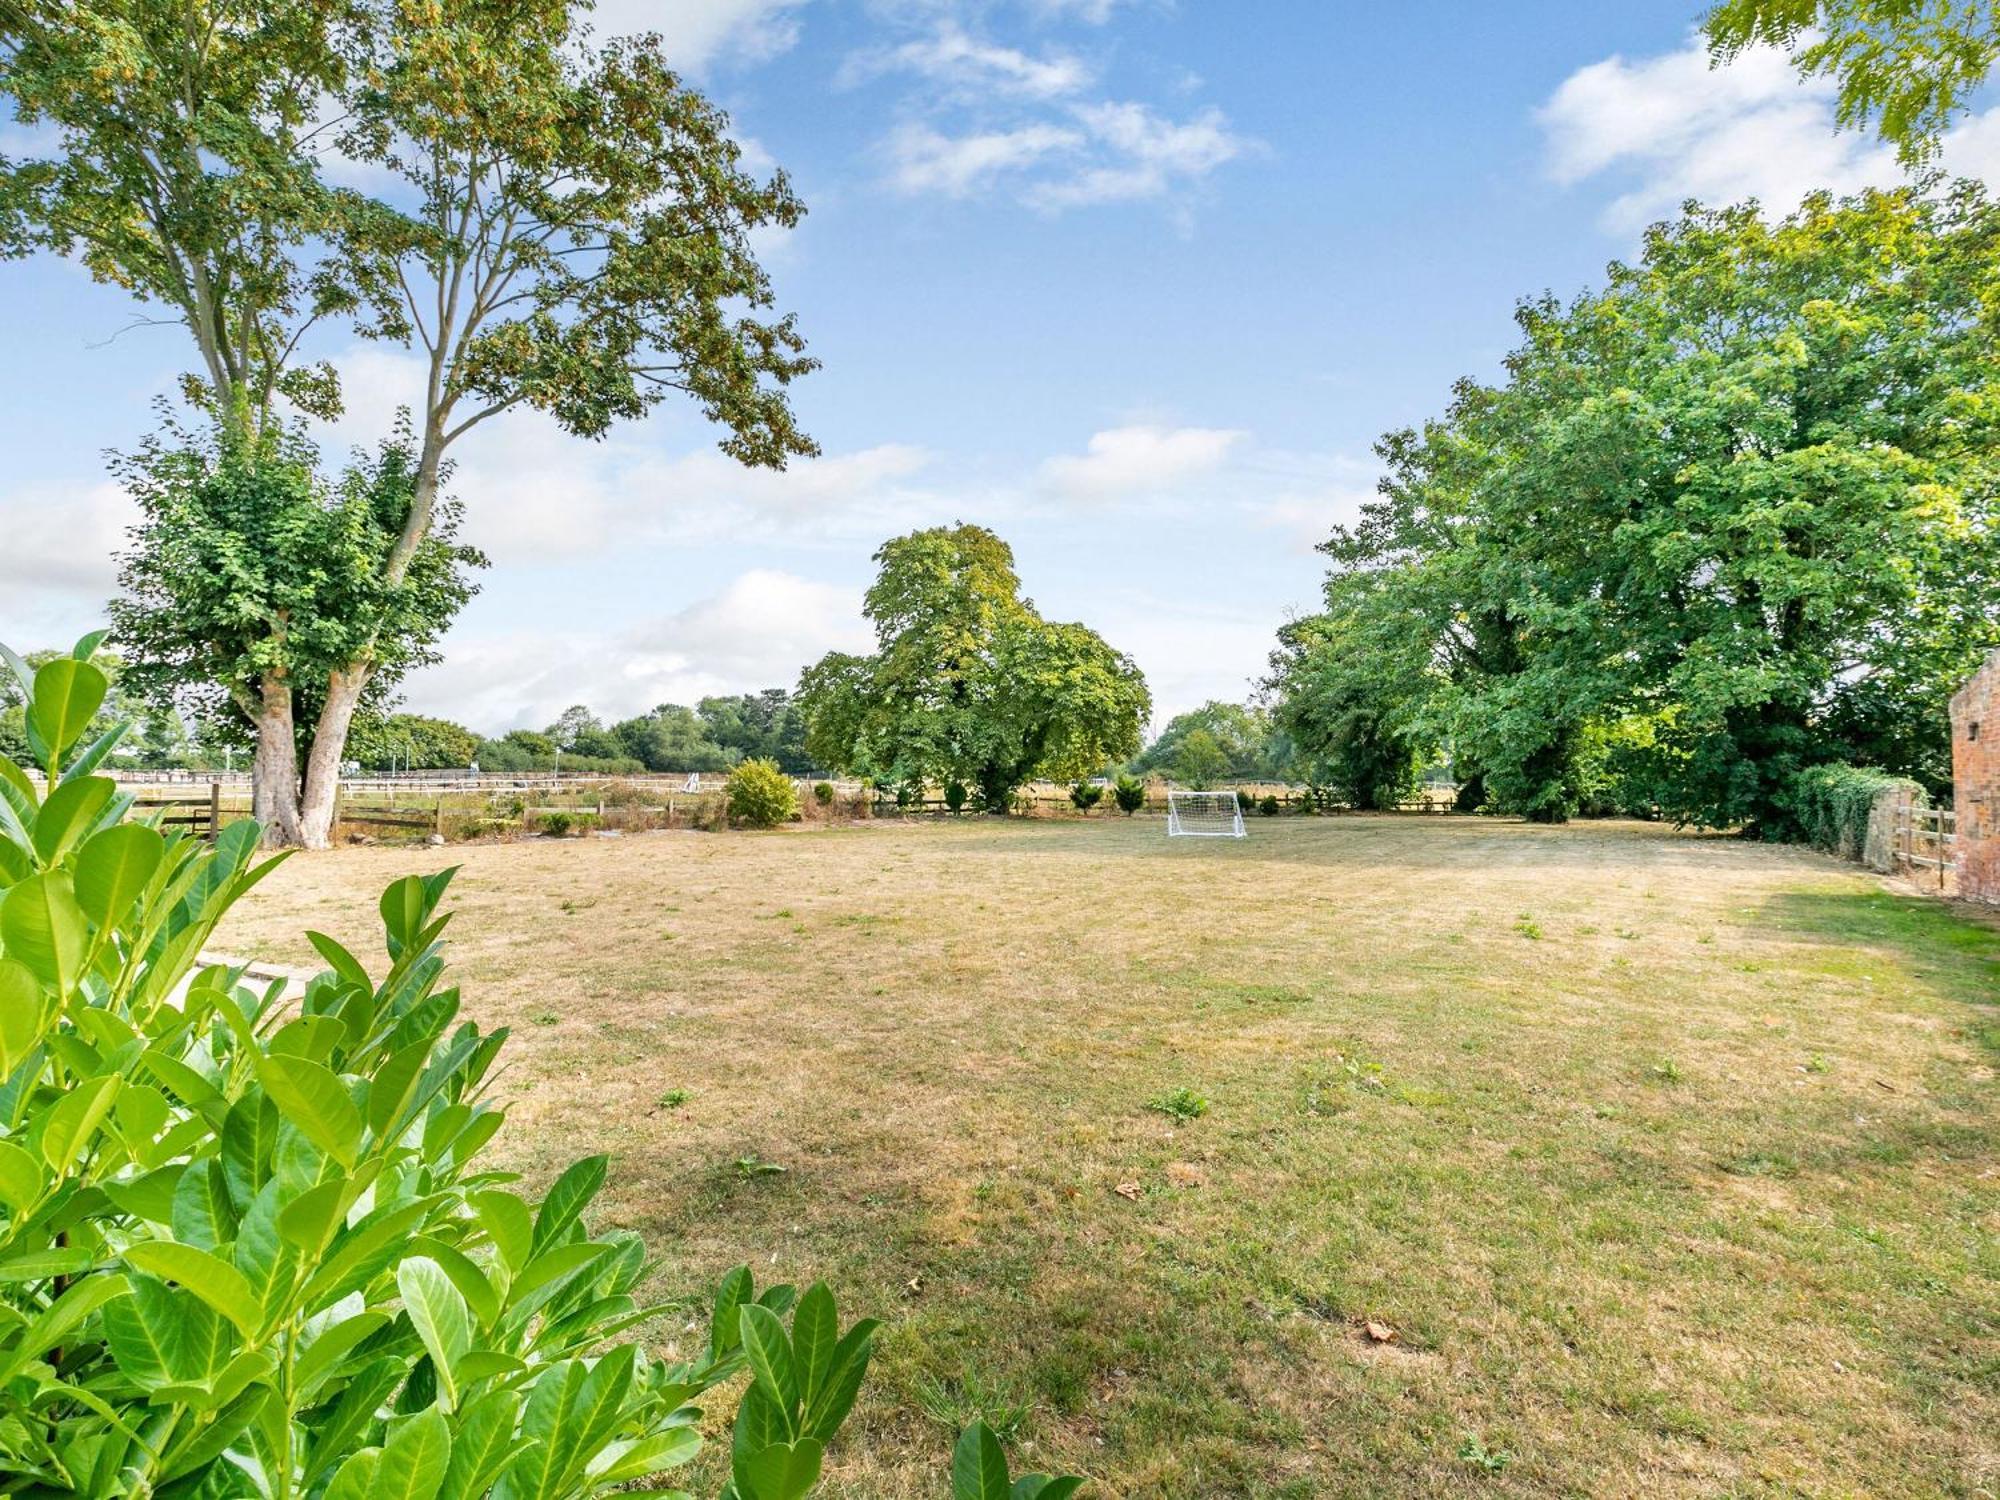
(437, 827)
(214, 811)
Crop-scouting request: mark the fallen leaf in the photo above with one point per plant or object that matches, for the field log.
(1130, 1190)
(1381, 1333)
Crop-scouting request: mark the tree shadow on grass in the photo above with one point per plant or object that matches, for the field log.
(1954, 953)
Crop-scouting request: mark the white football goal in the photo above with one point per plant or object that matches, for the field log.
(1216, 815)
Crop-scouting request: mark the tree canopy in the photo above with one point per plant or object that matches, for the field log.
(1728, 517)
(1253, 746)
(968, 682)
(1907, 67)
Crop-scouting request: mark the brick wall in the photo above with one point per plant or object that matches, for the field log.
(1975, 773)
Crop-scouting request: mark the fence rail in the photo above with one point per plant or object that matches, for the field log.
(1927, 839)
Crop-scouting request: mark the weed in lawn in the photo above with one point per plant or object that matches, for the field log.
(1528, 927)
(955, 1404)
(1666, 1070)
(748, 1167)
(545, 1017)
(1181, 1104)
(673, 1099)
(1488, 1460)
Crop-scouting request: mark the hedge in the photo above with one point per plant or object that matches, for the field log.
(1831, 804)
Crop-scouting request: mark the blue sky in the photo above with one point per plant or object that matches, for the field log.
(1134, 282)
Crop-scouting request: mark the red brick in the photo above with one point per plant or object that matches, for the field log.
(1975, 774)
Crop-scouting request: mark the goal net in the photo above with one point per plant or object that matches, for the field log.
(1204, 815)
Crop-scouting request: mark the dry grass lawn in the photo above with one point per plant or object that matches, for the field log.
(1670, 1162)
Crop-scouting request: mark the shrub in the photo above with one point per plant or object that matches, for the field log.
(1085, 795)
(761, 795)
(1829, 805)
(557, 824)
(823, 793)
(1129, 792)
(1269, 805)
(249, 1241)
(1244, 801)
(955, 795)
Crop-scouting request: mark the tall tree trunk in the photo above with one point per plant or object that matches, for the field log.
(329, 744)
(274, 774)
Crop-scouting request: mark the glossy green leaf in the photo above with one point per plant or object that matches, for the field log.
(770, 1355)
(314, 1099)
(215, 1281)
(68, 814)
(415, 1459)
(42, 926)
(67, 695)
(113, 867)
(785, 1471)
(24, 1013)
(979, 1466)
(73, 1119)
(438, 1313)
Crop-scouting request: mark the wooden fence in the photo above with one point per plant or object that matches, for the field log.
(1926, 840)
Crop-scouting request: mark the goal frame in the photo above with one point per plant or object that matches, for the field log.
(1224, 828)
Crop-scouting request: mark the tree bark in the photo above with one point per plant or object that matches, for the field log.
(274, 774)
(329, 744)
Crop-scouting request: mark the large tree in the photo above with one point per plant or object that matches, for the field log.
(968, 682)
(1729, 516)
(564, 226)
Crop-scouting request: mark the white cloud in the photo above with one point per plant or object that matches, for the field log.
(700, 32)
(759, 631)
(535, 494)
(1148, 155)
(954, 58)
(56, 563)
(1122, 461)
(1110, 152)
(925, 161)
(1090, 12)
(1672, 128)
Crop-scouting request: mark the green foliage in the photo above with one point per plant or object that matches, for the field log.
(1085, 795)
(1729, 517)
(1129, 792)
(1828, 806)
(411, 741)
(758, 726)
(557, 824)
(823, 793)
(1910, 67)
(1268, 805)
(954, 795)
(968, 682)
(979, 1472)
(1181, 1104)
(1199, 760)
(761, 795)
(1252, 743)
(235, 533)
(249, 1246)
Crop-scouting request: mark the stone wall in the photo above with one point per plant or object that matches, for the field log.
(1975, 774)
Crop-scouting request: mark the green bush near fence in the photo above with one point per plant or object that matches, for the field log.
(761, 794)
